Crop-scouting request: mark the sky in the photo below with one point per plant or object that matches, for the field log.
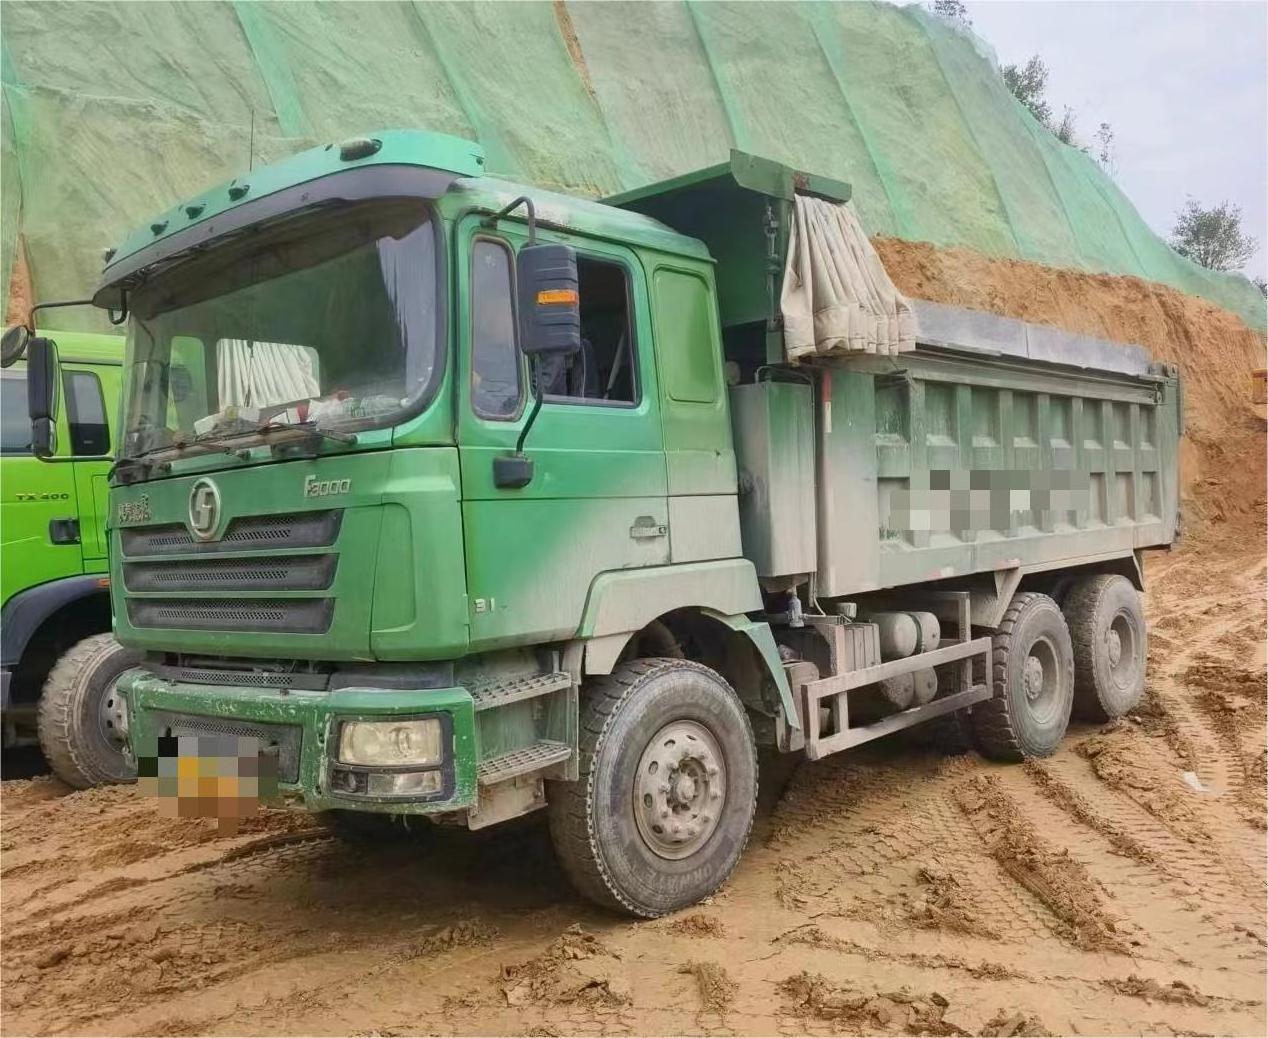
(1184, 85)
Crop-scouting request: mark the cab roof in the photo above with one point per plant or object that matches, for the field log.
(394, 148)
(572, 213)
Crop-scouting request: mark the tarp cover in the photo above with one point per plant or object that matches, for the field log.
(837, 297)
(114, 111)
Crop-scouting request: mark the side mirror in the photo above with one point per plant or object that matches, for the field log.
(550, 303)
(41, 396)
(13, 345)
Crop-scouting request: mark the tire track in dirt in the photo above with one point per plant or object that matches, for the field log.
(868, 872)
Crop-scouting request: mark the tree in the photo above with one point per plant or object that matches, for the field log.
(1212, 238)
(1028, 83)
(1064, 130)
(1261, 284)
(1104, 138)
(952, 11)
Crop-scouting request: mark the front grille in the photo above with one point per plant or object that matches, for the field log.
(281, 739)
(284, 573)
(280, 616)
(249, 533)
(248, 674)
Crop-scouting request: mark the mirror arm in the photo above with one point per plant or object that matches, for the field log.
(123, 311)
(527, 203)
(51, 306)
(537, 406)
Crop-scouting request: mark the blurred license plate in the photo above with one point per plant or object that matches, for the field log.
(210, 775)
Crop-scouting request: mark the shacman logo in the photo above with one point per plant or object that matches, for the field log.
(204, 509)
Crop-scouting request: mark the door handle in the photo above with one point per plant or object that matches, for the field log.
(63, 531)
(645, 527)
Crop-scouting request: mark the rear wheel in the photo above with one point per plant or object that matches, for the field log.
(81, 721)
(1032, 679)
(1108, 633)
(668, 785)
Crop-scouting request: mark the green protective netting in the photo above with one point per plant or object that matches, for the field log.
(112, 111)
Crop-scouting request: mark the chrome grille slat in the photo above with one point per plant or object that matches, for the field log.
(278, 573)
(246, 533)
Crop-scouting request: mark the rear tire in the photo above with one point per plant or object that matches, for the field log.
(79, 720)
(1110, 640)
(1032, 678)
(664, 803)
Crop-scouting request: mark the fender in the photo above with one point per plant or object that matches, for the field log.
(623, 602)
(26, 612)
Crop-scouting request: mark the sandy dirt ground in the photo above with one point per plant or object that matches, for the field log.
(1117, 887)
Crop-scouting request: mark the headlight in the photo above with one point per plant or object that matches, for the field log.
(391, 743)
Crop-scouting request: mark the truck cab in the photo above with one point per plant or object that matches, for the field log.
(428, 508)
(54, 579)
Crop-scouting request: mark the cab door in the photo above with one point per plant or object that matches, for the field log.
(37, 499)
(84, 394)
(598, 498)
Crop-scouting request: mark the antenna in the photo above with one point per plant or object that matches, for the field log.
(251, 143)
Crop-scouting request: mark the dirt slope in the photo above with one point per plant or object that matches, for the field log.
(1117, 887)
(1216, 352)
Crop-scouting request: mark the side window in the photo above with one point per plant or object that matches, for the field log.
(495, 358)
(85, 413)
(685, 343)
(604, 369)
(15, 429)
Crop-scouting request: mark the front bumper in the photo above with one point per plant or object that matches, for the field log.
(302, 729)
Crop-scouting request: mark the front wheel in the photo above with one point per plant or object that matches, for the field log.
(81, 722)
(664, 803)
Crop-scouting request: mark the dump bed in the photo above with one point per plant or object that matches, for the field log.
(993, 445)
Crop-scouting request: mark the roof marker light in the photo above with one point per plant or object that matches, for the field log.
(359, 148)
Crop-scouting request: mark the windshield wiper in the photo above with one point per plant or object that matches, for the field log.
(310, 430)
(211, 446)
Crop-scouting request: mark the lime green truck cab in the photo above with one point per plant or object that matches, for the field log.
(54, 584)
(458, 499)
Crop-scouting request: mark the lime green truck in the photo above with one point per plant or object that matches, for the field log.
(58, 660)
(458, 499)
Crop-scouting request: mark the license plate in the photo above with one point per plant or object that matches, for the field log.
(225, 777)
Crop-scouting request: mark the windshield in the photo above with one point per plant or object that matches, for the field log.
(326, 318)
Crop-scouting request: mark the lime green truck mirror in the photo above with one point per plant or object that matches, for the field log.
(13, 345)
(41, 395)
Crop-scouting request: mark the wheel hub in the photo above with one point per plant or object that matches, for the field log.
(1114, 647)
(112, 716)
(1033, 675)
(680, 789)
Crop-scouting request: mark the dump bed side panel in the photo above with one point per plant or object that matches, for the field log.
(967, 465)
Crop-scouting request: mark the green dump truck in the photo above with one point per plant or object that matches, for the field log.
(58, 661)
(456, 499)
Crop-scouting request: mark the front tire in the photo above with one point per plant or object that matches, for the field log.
(1109, 635)
(80, 723)
(667, 790)
(1032, 678)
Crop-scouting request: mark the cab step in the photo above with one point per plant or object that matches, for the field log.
(500, 693)
(542, 754)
